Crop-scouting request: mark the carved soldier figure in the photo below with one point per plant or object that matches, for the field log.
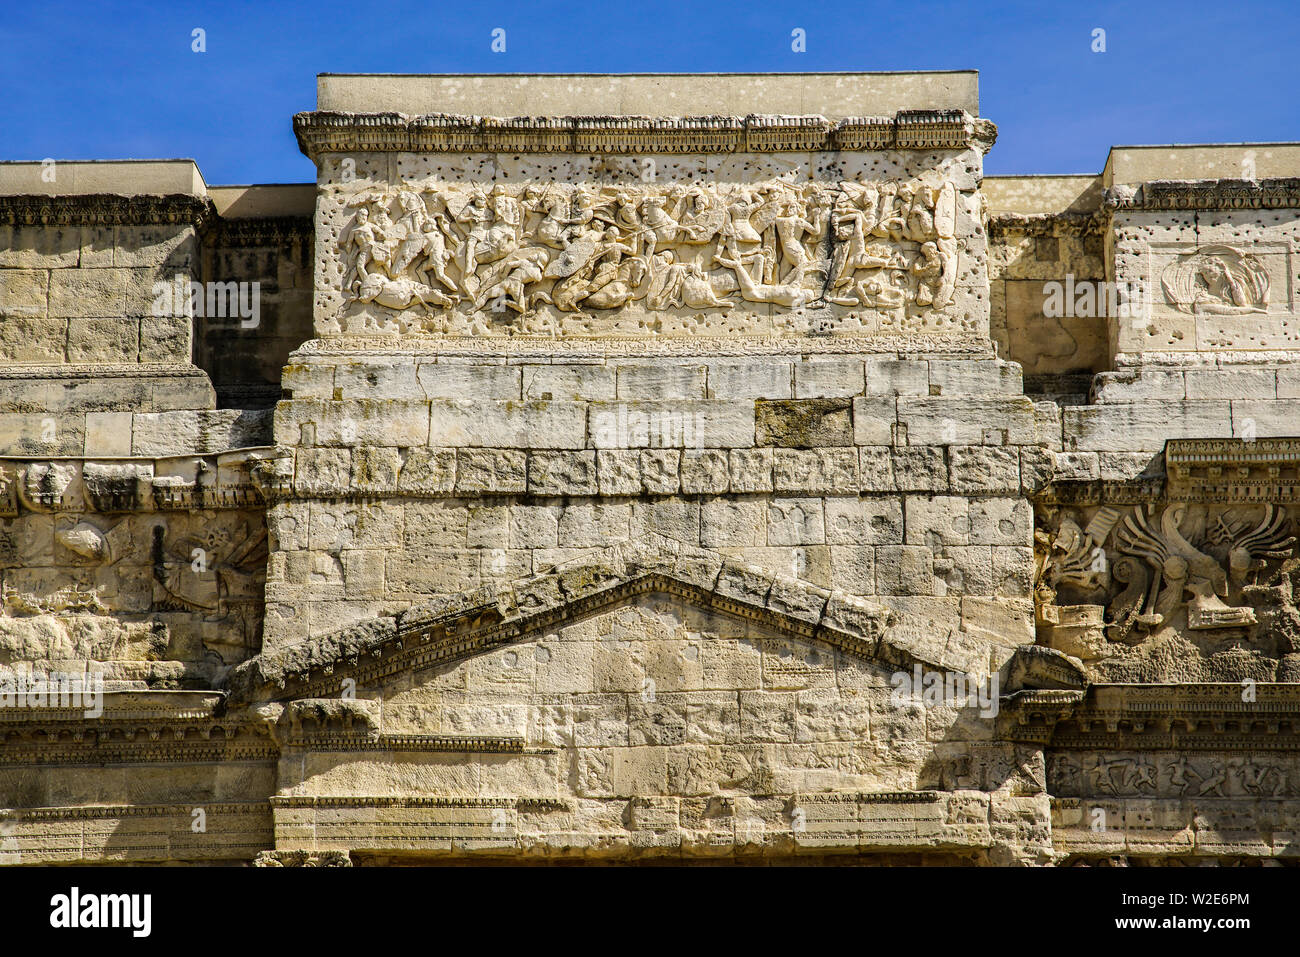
(790, 230)
(360, 245)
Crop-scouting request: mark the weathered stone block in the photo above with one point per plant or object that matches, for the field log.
(490, 470)
(864, 520)
(984, 469)
(375, 467)
(82, 292)
(750, 379)
(103, 340)
(661, 380)
(562, 473)
(534, 526)
(920, 469)
(967, 420)
(428, 470)
(525, 425)
(1138, 427)
(671, 424)
(876, 469)
(796, 521)
(828, 378)
(456, 380)
(904, 570)
(30, 337)
(975, 377)
(704, 472)
(568, 382)
(873, 420)
(594, 525)
(815, 470)
(730, 523)
(898, 377)
(618, 472)
(804, 424)
(661, 471)
(751, 470)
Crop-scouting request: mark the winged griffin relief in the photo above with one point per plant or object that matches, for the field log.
(508, 251)
(1131, 578)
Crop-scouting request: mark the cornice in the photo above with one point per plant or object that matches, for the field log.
(559, 349)
(1281, 193)
(106, 209)
(100, 741)
(1205, 471)
(117, 811)
(332, 132)
(456, 744)
(1190, 717)
(1045, 224)
(389, 801)
(260, 231)
(1234, 470)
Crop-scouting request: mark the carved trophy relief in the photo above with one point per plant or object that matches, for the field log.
(1216, 280)
(108, 560)
(1121, 583)
(466, 257)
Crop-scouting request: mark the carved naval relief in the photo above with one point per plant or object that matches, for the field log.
(551, 258)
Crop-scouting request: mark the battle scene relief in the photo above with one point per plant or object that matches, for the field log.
(550, 259)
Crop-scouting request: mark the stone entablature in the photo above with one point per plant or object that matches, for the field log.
(627, 226)
(326, 132)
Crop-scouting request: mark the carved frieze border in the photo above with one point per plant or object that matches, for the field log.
(1045, 224)
(114, 811)
(106, 209)
(350, 345)
(260, 231)
(1280, 193)
(457, 744)
(1234, 470)
(221, 482)
(1204, 471)
(1190, 717)
(331, 132)
(367, 801)
(99, 741)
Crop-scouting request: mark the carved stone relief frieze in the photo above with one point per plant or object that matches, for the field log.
(145, 560)
(508, 259)
(1112, 774)
(1168, 590)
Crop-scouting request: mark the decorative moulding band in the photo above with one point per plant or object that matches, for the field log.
(330, 132)
(261, 231)
(1045, 224)
(106, 209)
(1282, 193)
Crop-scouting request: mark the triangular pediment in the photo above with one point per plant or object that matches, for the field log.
(462, 626)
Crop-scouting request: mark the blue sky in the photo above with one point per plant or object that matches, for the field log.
(118, 80)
